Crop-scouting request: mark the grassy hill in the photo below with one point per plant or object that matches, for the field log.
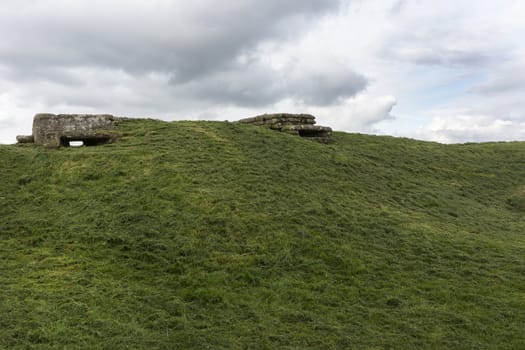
(215, 235)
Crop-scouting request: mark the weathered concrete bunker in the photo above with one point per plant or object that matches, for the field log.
(296, 124)
(56, 130)
(52, 130)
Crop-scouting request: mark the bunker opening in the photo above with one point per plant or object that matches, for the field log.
(313, 133)
(69, 141)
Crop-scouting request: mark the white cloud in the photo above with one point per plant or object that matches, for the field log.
(473, 128)
(10, 122)
(461, 70)
(357, 114)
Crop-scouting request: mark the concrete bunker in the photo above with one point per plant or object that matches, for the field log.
(56, 130)
(302, 125)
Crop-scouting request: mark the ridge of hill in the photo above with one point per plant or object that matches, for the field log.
(220, 235)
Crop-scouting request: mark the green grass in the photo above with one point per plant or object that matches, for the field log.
(213, 235)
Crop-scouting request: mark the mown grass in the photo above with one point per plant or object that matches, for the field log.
(214, 235)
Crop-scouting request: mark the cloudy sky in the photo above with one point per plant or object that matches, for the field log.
(447, 71)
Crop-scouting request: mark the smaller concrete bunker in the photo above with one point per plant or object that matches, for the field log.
(295, 124)
(55, 130)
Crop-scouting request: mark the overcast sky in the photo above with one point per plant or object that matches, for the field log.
(447, 71)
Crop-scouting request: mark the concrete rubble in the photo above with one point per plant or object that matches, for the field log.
(296, 124)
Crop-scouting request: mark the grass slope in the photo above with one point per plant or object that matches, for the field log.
(213, 235)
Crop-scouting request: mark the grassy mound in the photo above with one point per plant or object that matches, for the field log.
(216, 235)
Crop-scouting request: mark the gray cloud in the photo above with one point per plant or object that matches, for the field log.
(254, 83)
(91, 52)
(444, 57)
(187, 40)
(507, 81)
(428, 51)
(398, 6)
(327, 87)
(441, 35)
